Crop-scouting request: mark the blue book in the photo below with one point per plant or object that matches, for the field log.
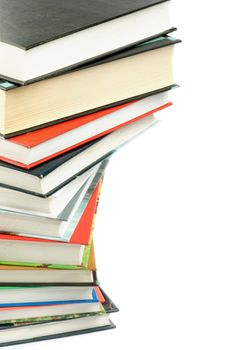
(42, 296)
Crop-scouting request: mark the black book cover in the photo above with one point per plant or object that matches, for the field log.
(27, 24)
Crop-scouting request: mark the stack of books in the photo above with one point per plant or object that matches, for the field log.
(79, 79)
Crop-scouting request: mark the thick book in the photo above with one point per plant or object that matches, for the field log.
(52, 330)
(49, 255)
(132, 74)
(33, 148)
(43, 180)
(43, 38)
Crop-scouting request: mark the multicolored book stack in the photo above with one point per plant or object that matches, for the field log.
(79, 79)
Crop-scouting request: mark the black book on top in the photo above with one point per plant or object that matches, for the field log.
(72, 27)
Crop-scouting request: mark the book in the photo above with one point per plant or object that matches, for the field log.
(13, 296)
(46, 38)
(51, 330)
(108, 305)
(41, 254)
(33, 148)
(31, 276)
(49, 314)
(43, 180)
(61, 228)
(111, 81)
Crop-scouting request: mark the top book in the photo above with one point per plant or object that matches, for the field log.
(43, 38)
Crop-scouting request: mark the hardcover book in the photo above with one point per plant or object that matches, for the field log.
(52, 330)
(15, 296)
(111, 81)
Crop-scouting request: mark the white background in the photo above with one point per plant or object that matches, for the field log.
(163, 232)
